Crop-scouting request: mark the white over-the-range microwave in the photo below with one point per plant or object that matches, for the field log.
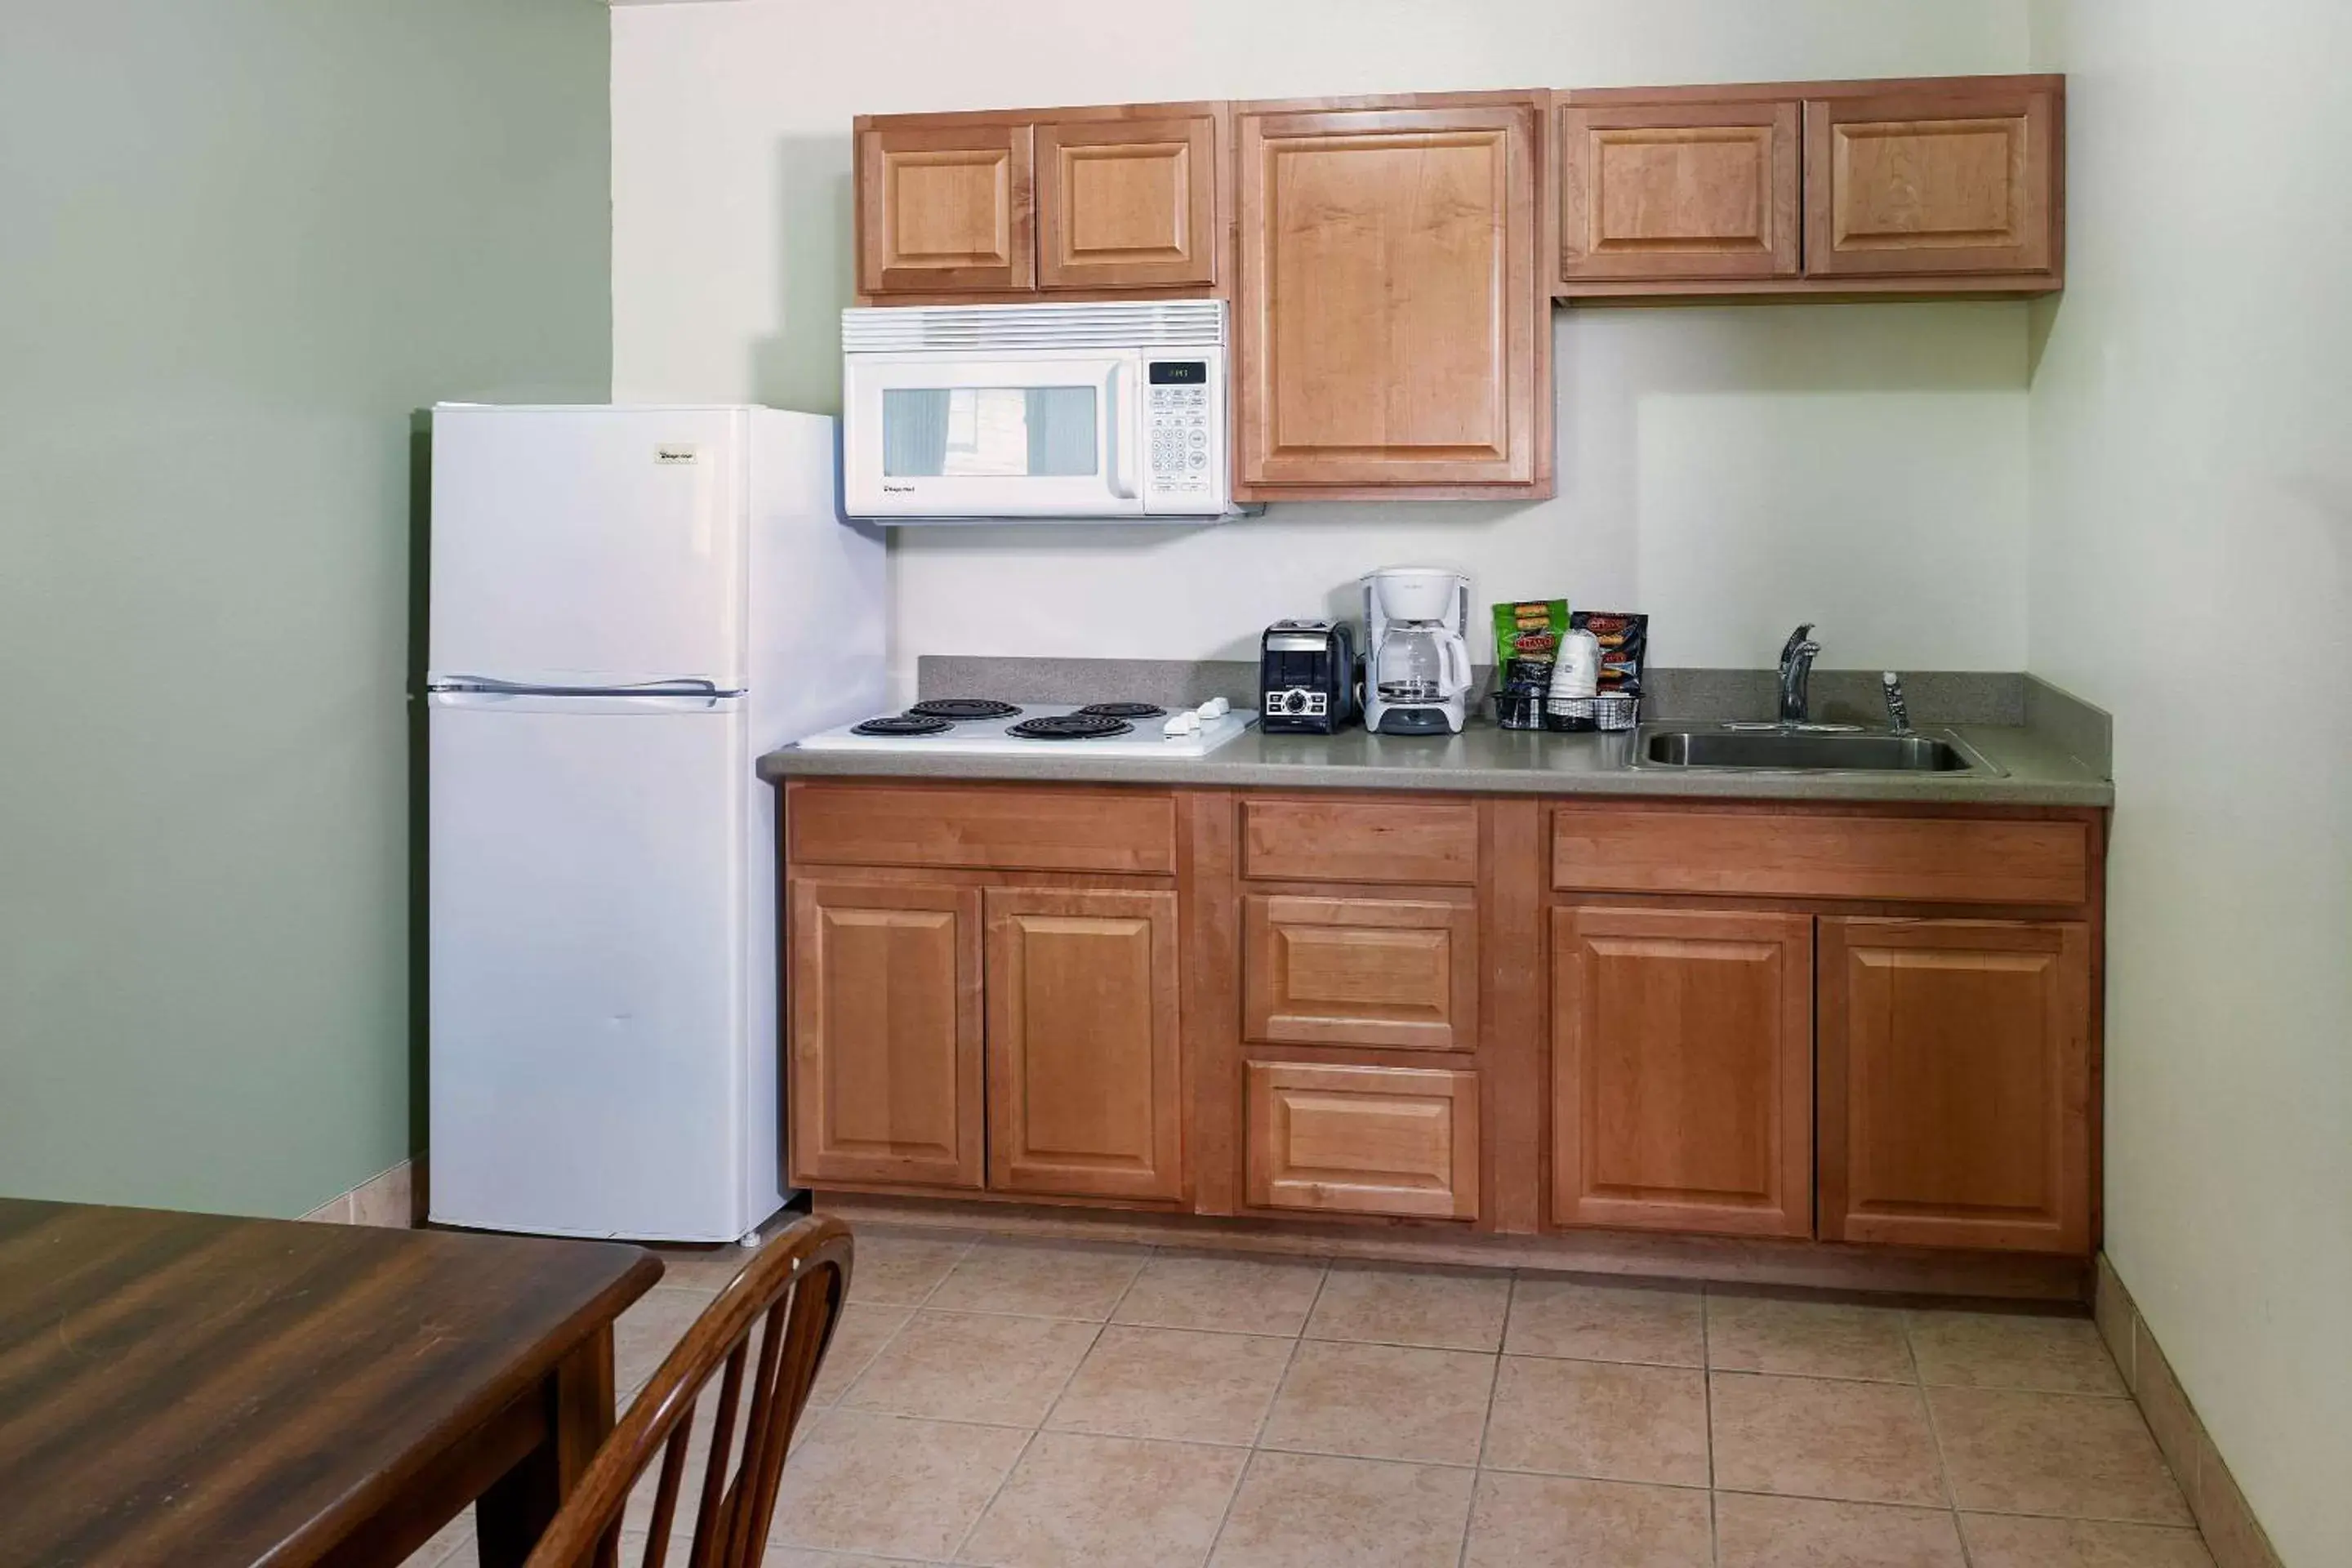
(973, 413)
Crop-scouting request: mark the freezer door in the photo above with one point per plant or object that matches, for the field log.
(588, 546)
(588, 872)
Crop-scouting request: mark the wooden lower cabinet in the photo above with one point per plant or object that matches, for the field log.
(1249, 1019)
(1084, 1087)
(1681, 1070)
(1399, 973)
(1956, 1083)
(1362, 1140)
(886, 1034)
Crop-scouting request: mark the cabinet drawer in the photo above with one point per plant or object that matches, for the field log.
(1428, 842)
(1368, 972)
(1685, 849)
(1363, 1140)
(1000, 829)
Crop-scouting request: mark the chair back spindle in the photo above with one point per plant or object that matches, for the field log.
(769, 1328)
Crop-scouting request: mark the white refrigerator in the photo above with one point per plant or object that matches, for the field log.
(628, 607)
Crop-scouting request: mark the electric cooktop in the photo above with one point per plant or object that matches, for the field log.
(983, 726)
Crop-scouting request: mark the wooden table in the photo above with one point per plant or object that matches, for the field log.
(193, 1390)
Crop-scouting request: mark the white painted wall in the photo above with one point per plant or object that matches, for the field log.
(2191, 571)
(1731, 470)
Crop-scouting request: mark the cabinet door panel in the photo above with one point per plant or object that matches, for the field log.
(1931, 183)
(1388, 318)
(1083, 1089)
(886, 1024)
(1363, 1140)
(945, 210)
(1689, 190)
(1126, 203)
(1369, 972)
(1955, 1094)
(1681, 1070)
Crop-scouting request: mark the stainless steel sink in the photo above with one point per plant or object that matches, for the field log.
(1795, 749)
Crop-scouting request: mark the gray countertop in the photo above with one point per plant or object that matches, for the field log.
(2037, 768)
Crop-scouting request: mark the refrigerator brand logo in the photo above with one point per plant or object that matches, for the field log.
(890, 489)
(676, 454)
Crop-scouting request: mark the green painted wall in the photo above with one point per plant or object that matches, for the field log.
(240, 242)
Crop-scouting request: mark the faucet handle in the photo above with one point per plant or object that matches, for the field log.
(1797, 640)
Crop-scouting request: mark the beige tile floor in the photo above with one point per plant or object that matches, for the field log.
(1030, 1404)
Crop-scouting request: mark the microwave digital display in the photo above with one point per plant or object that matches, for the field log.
(1179, 373)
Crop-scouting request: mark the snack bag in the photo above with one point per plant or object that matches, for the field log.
(1528, 632)
(1624, 647)
(1527, 641)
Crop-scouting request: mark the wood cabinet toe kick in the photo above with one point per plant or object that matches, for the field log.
(1852, 1040)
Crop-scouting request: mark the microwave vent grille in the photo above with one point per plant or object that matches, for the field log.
(1109, 324)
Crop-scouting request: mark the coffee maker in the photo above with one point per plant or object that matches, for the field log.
(1417, 654)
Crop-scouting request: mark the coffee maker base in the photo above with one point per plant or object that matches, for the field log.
(1418, 722)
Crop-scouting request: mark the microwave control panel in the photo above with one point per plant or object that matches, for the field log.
(1184, 418)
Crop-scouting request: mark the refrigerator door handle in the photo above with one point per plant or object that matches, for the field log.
(683, 686)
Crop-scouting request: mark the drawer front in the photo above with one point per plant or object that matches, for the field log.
(1435, 843)
(999, 829)
(1363, 1140)
(1762, 853)
(1359, 972)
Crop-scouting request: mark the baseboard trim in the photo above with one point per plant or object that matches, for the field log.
(2232, 1534)
(392, 1199)
(1889, 1273)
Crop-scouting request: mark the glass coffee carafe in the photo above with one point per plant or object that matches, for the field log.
(1420, 662)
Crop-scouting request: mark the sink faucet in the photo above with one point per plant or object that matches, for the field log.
(1795, 670)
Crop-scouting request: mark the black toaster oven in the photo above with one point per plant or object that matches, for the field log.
(1306, 677)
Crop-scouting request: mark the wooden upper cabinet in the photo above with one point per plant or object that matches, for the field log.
(1679, 190)
(885, 1032)
(1943, 179)
(1956, 1083)
(1390, 326)
(945, 208)
(1084, 1091)
(1682, 1069)
(1128, 202)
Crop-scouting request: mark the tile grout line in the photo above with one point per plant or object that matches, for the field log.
(1249, 1459)
(1706, 1386)
(1486, 1420)
(1037, 1431)
(914, 1310)
(1936, 1441)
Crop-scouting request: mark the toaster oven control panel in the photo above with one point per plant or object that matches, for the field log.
(1184, 425)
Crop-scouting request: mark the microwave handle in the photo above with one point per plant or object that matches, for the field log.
(1114, 445)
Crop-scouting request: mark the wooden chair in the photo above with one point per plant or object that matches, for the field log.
(796, 1284)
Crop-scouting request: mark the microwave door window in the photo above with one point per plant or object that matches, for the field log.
(983, 432)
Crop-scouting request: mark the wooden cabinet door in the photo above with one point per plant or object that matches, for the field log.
(885, 1027)
(1681, 1069)
(1956, 1082)
(1679, 191)
(1083, 1090)
(1937, 183)
(1388, 319)
(945, 210)
(1360, 971)
(1126, 203)
(1362, 1140)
